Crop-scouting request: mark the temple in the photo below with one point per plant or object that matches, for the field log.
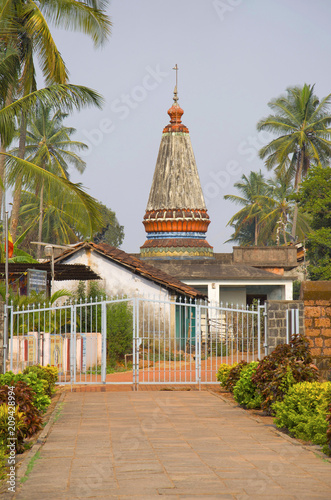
(176, 218)
(176, 222)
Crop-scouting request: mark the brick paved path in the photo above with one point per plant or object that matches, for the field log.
(171, 445)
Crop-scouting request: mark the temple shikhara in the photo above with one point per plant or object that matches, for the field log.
(176, 219)
(176, 222)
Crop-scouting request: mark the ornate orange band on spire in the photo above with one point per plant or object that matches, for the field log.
(176, 220)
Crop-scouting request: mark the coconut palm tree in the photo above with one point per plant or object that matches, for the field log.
(9, 71)
(49, 145)
(302, 124)
(248, 219)
(279, 205)
(64, 219)
(65, 98)
(23, 24)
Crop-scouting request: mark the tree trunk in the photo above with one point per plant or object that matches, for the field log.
(256, 232)
(8, 101)
(41, 212)
(18, 184)
(297, 187)
(2, 175)
(284, 234)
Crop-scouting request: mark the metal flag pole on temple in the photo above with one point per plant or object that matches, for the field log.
(5, 332)
(176, 91)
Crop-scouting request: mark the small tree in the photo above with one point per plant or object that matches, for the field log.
(315, 198)
(119, 321)
(119, 331)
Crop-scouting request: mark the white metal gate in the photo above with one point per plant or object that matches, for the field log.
(153, 341)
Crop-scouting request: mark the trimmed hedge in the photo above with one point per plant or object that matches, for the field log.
(48, 373)
(303, 411)
(284, 384)
(39, 387)
(245, 391)
(223, 373)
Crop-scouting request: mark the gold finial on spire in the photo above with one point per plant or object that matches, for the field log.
(175, 91)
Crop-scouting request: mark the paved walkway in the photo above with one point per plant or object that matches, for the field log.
(173, 445)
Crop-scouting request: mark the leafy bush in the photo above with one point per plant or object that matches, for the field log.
(119, 321)
(24, 401)
(245, 391)
(327, 447)
(3, 461)
(39, 387)
(119, 331)
(6, 427)
(286, 365)
(47, 373)
(223, 372)
(234, 375)
(303, 411)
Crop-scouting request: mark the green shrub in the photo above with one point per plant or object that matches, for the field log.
(119, 331)
(234, 376)
(47, 373)
(245, 391)
(223, 372)
(39, 387)
(303, 411)
(3, 462)
(286, 365)
(327, 447)
(24, 401)
(7, 426)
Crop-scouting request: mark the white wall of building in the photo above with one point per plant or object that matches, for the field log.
(116, 279)
(235, 291)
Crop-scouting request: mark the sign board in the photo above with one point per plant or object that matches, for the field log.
(57, 351)
(32, 358)
(37, 281)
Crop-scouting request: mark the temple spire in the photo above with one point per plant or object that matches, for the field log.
(176, 218)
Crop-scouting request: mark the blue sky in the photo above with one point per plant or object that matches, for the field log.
(233, 57)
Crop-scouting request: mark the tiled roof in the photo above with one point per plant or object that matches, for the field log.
(136, 266)
(62, 272)
(211, 269)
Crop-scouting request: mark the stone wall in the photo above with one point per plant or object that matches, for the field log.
(277, 318)
(317, 300)
(266, 256)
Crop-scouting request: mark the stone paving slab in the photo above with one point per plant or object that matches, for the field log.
(169, 445)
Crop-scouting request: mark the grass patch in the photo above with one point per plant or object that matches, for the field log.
(30, 467)
(58, 412)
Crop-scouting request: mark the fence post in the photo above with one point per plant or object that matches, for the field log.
(103, 342)
(198, 344)
(258, 330)
(135, 344)
(265, 314)
(11, 337)
(73, 358)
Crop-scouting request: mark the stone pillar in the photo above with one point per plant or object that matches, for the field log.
(213, 293)
(277, 319)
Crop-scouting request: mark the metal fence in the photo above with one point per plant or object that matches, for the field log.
(152, 341)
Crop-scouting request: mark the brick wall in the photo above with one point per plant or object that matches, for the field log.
(317, 301)
(277, 319)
